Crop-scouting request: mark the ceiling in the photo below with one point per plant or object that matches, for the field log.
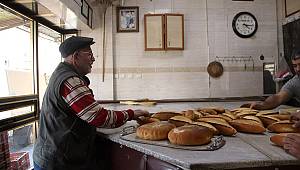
(32, 8)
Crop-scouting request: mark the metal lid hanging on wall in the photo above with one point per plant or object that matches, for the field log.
(215, 69)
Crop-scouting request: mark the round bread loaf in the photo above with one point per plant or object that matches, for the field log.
(154, 131)
(190, 135)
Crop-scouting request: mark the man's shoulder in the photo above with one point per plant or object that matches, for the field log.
(295, 79)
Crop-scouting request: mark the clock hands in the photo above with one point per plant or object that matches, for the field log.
(247, 25)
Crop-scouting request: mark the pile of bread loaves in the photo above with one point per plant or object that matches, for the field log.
(198, 126)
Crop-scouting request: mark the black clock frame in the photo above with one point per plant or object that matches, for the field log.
(236, 31)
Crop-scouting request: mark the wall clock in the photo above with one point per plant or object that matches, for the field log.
(244, 24)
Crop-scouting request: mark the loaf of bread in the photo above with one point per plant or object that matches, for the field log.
(247, 125)
(192, 114)
(218, 109)
(274, 114)
(243, 109)
(190, 135)
(278, 138)
(284, 126)
(209, 126)
(229, 115)
(179, 120)
(267, 120)
(281, 116)
(221, 116)
(165, 115)
(253, 118)
(207, 111)
(245, 113)
(144, 120)
(223, 127)
(154, 131)
(266, 112)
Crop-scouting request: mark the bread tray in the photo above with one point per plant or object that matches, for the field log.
(129, 134)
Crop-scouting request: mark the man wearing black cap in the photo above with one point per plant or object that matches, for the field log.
(70, 114)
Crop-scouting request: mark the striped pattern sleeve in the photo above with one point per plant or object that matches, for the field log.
(79, 97)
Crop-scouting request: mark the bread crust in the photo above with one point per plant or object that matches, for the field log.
(247, 125)
(190, 135)
(164, 116)
(253, 118)
(278, 138)
(267, 120)
(223, 127)
(154, 131)
(209, 126)
(179, 120)
(284, 126)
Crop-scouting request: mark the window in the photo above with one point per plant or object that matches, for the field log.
(16, 59)
(23, 79)
(49, 56)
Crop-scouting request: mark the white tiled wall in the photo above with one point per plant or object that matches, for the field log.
(182, 74)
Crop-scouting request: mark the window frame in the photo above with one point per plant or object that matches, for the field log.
(19, 101)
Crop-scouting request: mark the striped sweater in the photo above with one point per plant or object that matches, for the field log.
(79, 97)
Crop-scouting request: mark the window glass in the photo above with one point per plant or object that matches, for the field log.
(16, 112)
(16, 59)
(49, 56)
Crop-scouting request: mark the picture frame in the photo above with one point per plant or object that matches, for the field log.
(291, 7)
(90, 23)
(128, 19)
(85, 9)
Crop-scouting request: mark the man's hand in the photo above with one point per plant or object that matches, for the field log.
(138, 113)
(291, 144)
(295, 118)
(256, 105)
(253, 105)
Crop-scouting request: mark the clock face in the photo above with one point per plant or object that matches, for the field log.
(244, 24)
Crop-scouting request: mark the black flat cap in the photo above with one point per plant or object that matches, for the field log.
(70, 45)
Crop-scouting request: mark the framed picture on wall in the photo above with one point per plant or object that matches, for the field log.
(291, 7)
(90, 17)
(85, 9)
(128, 19)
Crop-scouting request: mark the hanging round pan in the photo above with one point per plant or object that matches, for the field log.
(215, 69)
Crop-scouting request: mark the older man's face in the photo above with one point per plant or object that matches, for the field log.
(85, 61)
(296, 65)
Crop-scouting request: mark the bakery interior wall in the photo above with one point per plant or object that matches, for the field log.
(130, 72)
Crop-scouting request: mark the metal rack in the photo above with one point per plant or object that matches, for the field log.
(237, 59)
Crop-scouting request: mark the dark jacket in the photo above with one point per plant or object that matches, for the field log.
(65, 141)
